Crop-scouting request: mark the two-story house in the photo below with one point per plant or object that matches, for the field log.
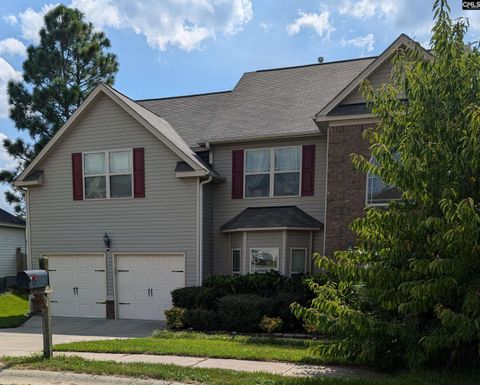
(132, 199)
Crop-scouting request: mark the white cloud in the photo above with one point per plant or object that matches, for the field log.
(266, 26)
(12, 46)
(31, 22)
(319, 22)
(6, 161)
(368, 8)
(10, 19)
(364, 42)
(7, 72)
(184, 24)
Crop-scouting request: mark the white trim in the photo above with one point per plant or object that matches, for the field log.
(200, 227)
(107, 174)
(240, 261)
(244, 267)
(123, 102)
(245, 229)
(310, 254)
(72, 254)
(305, 270)
(342, 118)
(264, 248)
(400, 41)
(28, 183)
(272, 172)
(284, 252)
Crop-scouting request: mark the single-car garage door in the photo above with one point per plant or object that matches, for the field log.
(144, 284)
(79, 285)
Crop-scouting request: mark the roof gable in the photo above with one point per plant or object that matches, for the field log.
(159, 127)
(402, 41)
(9, 220)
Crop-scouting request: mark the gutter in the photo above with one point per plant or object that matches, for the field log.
(200, 228)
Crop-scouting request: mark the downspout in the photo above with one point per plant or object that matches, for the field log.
(28, 248)
(200, 229)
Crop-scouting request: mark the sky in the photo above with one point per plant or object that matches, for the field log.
(179, 47)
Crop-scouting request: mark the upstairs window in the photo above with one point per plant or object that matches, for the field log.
(107, 174)
(380, 193)
(273, 172)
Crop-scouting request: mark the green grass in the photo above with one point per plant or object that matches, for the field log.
(13, 310)
(204, 345)
(229, 377)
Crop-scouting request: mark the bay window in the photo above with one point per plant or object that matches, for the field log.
(236, 258)
(107, 174)
(272, 172)
(298, 260)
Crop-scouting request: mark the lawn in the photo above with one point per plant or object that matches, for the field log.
(13, 310)
(205, 345)
(229, 377)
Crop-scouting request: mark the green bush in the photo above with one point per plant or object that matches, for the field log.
(242, 312)
(192, 297)
(201, 319)
(175, 318)
(281, 308)
(271, 324)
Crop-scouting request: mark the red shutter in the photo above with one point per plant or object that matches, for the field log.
(308, 169)
(237, 174)
(77, 176)
(139, 173)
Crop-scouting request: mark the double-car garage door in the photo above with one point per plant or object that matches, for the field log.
(142, 286)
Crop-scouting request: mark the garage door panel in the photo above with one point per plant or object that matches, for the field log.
(147, 272)
(78, 289)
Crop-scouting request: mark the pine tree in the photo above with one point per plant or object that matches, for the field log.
(408, 293)
(58, 74)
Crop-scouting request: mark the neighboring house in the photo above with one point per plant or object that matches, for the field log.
(252, 179)
(12, 236)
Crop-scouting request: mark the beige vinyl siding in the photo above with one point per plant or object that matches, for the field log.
(226, 207)
(380, 76)
(164, 221)
(207, 229)
(10, 239)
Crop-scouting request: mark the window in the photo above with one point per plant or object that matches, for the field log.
(272, 172)
(236, 258)
(378, 192)
(107, 174)
(298, 260)
(264, 259)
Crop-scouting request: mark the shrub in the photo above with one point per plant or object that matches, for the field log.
(281, 308)
(192, 297)
(175, 318)
(242, 312)
(271, 324)
(201, 319)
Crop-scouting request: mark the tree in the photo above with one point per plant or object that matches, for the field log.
(58, 74)
(408, 293)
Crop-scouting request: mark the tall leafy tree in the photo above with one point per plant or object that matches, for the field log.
(408, 293)
(58, 74)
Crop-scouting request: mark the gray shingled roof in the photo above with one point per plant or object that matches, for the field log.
(8, 219)
(272, 217)
(281, 101)
(189, 115)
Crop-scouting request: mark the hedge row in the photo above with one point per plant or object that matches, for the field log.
(239, 303)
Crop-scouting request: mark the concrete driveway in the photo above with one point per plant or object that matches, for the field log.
(27, 339)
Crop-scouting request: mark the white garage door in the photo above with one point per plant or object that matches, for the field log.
(144, 284)
(79, 285)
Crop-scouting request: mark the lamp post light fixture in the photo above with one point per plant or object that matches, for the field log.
(107, 241)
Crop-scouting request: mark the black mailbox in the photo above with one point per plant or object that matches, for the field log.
(32, 279)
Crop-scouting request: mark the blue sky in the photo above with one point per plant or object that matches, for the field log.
(177, 47)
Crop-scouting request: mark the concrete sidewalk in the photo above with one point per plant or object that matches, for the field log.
(37, 377)
(281, 368)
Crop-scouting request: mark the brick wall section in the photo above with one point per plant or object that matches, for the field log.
(346, 185)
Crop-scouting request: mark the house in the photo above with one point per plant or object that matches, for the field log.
(12, 237)
(132, 199)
